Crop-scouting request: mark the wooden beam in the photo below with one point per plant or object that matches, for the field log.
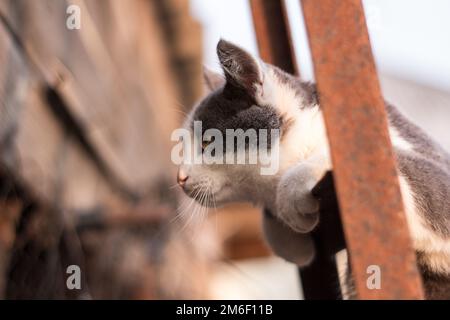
(364, 167)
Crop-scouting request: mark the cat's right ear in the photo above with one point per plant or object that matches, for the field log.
(213, 80)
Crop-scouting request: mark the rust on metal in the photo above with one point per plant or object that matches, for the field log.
(273, 34)
(364, 167)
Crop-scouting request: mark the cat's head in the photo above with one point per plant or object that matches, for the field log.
(250, 98)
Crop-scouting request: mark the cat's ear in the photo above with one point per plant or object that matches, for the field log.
(213, 80)
(241, 69)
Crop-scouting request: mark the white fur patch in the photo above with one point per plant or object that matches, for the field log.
(398, 141)
(307, 135)
(435, 249)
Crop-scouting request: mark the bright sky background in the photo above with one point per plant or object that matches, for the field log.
(410, 38)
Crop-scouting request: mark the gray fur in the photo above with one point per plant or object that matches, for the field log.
(220, 112)
(284, 242)
(306, 90)
(420, 141)
(427, 170)
(430, 183)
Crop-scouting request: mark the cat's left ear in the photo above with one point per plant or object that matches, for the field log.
(241, 69)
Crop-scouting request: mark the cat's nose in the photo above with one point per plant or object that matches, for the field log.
(182, 177)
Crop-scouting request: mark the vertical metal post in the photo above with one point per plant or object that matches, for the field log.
(273, 34)
(364, 167)
(320, 279)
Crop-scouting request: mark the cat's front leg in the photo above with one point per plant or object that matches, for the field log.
(296, 206)
(292, 246)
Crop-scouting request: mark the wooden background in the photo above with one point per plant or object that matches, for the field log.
(85, 170)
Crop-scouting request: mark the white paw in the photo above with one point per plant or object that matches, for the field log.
(295, 203)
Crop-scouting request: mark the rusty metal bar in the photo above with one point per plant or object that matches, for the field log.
(364, 169)
(273, 34)
(320, 279)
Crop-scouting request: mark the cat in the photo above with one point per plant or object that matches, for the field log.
(254, 94)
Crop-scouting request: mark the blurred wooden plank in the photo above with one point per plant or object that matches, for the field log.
(104, 72)
(35, 156)
(364, 167)
(86, 74)
(112, 81)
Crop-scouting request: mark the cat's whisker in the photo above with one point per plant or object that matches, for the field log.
(206, 201)
(197, 192)
(185, 202)
(190, 211)
(180, 108)
(204, 210)
(176, 185)
(213, 196)
(184, 209)
(195, 210)
(199, 213)
(210, 198)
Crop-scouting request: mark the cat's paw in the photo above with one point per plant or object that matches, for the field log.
(296, 206)
(294, 247)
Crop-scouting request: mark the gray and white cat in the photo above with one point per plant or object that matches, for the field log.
(253, 94)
